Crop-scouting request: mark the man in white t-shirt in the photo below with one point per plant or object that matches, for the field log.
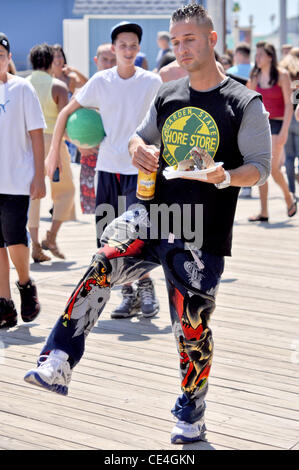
(21, 177)
(123, 94)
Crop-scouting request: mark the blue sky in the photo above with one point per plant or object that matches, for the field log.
(262, 10)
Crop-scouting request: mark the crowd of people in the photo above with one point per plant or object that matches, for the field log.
(138, 138)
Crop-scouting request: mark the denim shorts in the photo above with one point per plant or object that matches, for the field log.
(275, 126)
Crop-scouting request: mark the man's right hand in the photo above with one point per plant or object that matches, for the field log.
(146, 158)
(38, 187)
(53, 158)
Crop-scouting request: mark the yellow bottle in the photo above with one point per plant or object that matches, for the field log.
(146, 185)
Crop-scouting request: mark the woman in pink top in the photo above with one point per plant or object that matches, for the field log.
(274, 84)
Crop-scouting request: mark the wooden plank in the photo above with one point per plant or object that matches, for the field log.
(138, 355)
(229, 404)
(89, 422)
(97, 351)
(129, 399)
(9, 443)
(140, 405)
(59, 429)
(124, 421)
(168, 368)
(31, 440)
(86, 372)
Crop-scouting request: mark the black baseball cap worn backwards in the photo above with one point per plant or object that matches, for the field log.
(4, 42)
(126, 27)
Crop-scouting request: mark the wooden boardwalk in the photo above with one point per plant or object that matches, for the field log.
(123, 389)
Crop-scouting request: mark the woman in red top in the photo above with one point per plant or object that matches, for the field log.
(274, 84)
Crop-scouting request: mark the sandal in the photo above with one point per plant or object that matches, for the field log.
(50, 244)
(258, 218)
(37, 253)
(292, 210)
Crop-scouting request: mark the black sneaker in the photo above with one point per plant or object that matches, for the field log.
(130, 304)
(30, 306)
(146, 294)
(8, 313)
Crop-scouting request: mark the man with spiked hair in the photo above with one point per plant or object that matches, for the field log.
(227, 122)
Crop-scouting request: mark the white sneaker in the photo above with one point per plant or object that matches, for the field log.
(53, 372)
(183, 432)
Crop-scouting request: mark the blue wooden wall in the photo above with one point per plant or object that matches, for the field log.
(31, 22)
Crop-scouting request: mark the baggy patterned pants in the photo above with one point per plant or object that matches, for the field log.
(192, 279)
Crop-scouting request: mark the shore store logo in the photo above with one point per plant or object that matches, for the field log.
(187, 128)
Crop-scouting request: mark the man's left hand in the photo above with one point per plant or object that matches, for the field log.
(215, 177)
